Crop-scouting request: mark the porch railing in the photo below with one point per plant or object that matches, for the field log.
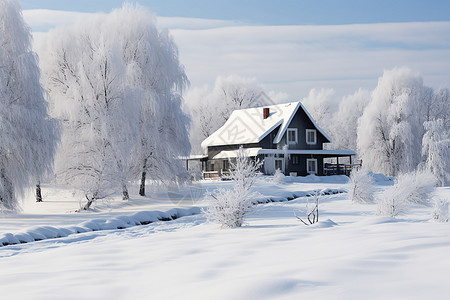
(338, 169)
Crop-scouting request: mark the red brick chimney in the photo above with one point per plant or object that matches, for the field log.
(266, 112)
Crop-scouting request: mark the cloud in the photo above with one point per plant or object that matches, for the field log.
(295, 59)
(44, 19)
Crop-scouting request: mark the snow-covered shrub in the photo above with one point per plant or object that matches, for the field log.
(440, 211)
(360, 187)
(230, 206)
(278, 177)
(410, 188)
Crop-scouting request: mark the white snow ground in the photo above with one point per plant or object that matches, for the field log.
(350, 254)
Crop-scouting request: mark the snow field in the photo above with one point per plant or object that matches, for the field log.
(350, 254)
(39, 233)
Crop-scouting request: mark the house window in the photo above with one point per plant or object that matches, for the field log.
(212, 166)
(311, 136)
(295, 160)
(311, 166)
(226, 165)
(292, 136)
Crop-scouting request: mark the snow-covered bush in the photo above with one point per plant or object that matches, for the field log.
(360, 187)
(278, 177)
(410, 188)
(230, 206)
(440, 211)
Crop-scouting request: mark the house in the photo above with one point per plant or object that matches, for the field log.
(283, 136)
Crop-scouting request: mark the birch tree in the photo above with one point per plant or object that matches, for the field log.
(28, 135)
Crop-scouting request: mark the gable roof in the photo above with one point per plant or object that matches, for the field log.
(247, 126)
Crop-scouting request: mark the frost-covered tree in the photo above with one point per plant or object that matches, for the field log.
(390, 130)
(88, 84)
(115, 88)
(322, 106)
(230, 206)
(410, 188)
(436, 149)
(151, 57)
(360, 187)
(437, 106)
(28, 135)
(210, 109)
(345, 121)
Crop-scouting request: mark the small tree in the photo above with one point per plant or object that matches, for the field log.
(231, 206)
(360, 187)
(312, 214)
(410, 188)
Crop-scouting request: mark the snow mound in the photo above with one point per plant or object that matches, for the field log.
(289, 196)
(324, 224)
(381, 179)
(121, 222)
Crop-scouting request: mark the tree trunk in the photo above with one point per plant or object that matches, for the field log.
(38, 192)
(125, 193)
(89, 201)
(7, 198)
(144, 173)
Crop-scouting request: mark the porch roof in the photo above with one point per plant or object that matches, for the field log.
(194, 157)
(257, 151)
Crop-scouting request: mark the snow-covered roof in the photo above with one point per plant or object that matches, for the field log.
(247, 126)
(251, 152)
(233, 153)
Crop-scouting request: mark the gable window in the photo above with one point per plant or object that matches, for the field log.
(292, 136)
(311, 136)
(311, 166)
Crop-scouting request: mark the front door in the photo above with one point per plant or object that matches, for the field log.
(279, 164)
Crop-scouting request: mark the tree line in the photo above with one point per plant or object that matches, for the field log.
(111, 112)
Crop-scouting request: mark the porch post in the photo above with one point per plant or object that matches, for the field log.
(338, 171)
